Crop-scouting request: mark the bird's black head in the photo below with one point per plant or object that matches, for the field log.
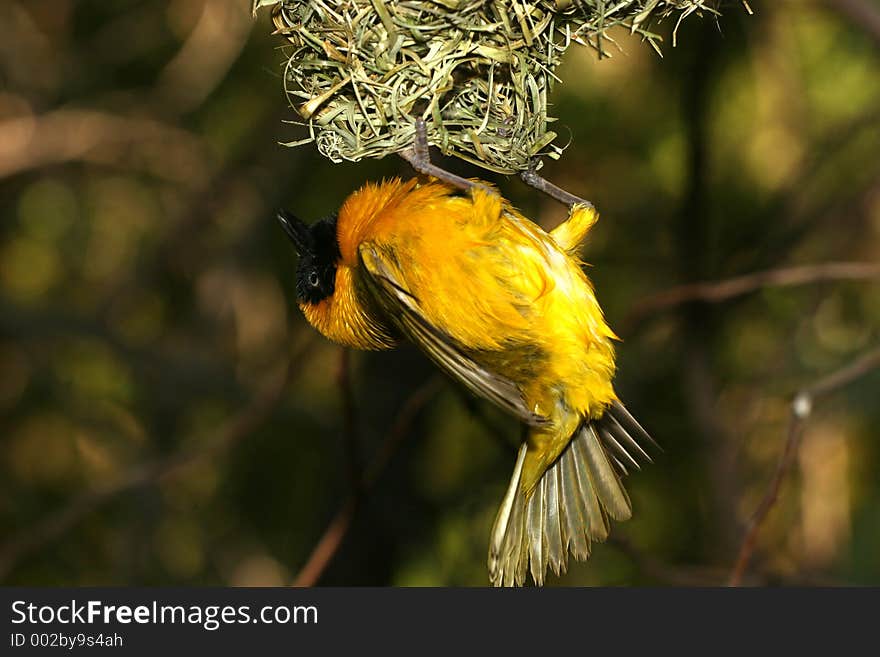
(318, 251)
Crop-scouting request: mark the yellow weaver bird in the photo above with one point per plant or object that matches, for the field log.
(505, 308)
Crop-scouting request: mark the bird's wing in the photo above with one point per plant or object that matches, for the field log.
(404, 308)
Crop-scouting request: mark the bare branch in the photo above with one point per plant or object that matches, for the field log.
(747, 547)
(718, 291)
(31, 142)
(855, 370)
(801, 408)
(329, 543)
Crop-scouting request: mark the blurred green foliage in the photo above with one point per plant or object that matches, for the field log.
(146, 304)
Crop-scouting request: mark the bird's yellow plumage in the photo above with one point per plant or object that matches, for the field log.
(506, 308)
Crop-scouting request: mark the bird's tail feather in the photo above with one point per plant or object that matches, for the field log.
(572, 502)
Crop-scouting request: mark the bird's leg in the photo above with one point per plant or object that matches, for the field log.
(420, 159)
(531, 177)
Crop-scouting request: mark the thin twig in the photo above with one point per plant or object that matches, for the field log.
(718, 291)
(243, 424)
(329, 543)
(801, 408)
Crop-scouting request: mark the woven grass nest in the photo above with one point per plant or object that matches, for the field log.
(359, 72)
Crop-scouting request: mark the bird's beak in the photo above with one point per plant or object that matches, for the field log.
(297, 231)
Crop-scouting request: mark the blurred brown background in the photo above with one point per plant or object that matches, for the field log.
(167, 417)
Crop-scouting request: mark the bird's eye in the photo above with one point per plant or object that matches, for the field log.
(313, 279)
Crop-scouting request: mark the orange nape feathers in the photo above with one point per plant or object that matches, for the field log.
(505, 308)
(348, 316)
